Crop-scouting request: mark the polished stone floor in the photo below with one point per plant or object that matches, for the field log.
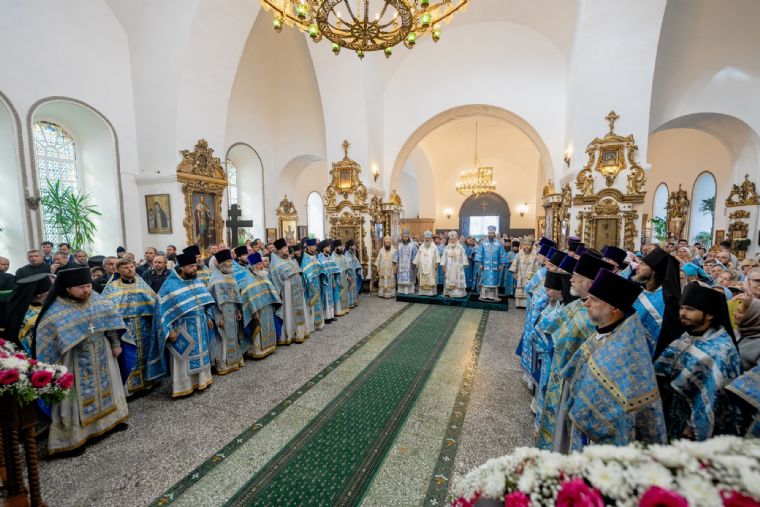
(167, 439)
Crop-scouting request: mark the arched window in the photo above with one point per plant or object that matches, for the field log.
(702, 208)
(55, 156)
(315, 213)
(660, 203)
(232, 183)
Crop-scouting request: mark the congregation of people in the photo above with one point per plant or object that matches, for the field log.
(122, 327)
(647, 346)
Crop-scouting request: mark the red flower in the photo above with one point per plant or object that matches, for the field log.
(659, 497)
(33, 362)
(2, 342)
(41, 378)
(577, 493)
(517, 499)
(736, 499)
(19, 355)
(3, 355)
(8, 377)
(66, 381)
(464, 502)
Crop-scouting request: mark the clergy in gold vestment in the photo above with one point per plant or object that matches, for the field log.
(523, 268)
(426, 261)
(454, 260)
(386, 270)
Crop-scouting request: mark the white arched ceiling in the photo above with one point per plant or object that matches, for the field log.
(13, 244)
(98, 164)
(707, 61)
(444, 151)
(297, 179)
(516, 71)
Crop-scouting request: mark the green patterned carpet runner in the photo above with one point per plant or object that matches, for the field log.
(333, 459)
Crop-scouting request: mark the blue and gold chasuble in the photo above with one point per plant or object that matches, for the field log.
(696, 369)
(491, 256)
(341, 285)
(358, 274)
(281, 271)
(507, 278)
(613, 396)
(525, 348)
(68, 326)
(548, 322)
(331, 271)
(260, 300)
(536, 281)
(575, 328)
(650, 306)
(204, 275)
(25, 335)
(404, 255)
(747, 387)
(312, 273)
(226, 351)
(469, 251)
(137, 304)
(186, 306)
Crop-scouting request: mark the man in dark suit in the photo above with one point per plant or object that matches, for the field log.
(36, 265)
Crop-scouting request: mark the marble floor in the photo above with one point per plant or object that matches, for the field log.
(167, 439)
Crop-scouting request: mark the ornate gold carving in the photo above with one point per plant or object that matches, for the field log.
(738, 230)
(345, 177)
(202, 175)
(394, 199)
(636, 181)
(548, 189)
(738, 214)
(607, 206)
(629, 229)
(584, 181)
(677, 212)
(287, 220)
(743, 195)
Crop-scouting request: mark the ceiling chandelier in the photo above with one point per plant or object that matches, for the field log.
(365, 25)
(479, 179)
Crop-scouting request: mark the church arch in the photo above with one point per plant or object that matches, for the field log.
(250, 184)
(15, 215)
(705, 187)
(98, 164)
(660, 202)
(485, 205)
(315, 214)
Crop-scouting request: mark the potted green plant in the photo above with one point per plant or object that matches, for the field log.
(69, 213)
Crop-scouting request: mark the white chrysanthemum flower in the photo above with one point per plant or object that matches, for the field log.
(650, 474)
(612, 453)
(698, 491)
(607, 478)
(673, 457)
(750, 479)
(12, 362)
(527, 480)
(493, 485)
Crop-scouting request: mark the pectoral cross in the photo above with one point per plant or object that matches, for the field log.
(234, 223)
(92, 328)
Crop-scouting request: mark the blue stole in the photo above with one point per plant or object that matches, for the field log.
(508, 279)
(613, 396)
(357, 268)
(490, 255)
(747, 387)
(697, 368)
(525, 348)
(223, 288)
(279, 271)
(182, 306)
(341, 283)
(138, 305)
(548, 322)
(536, 281)
(332, 273)
(650, 306)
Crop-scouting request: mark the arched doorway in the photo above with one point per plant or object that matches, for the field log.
(477, 213)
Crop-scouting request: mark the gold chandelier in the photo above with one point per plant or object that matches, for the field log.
(479, 179)
(365, 25)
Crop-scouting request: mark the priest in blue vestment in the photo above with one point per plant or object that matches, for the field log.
(575, 328)
(617, 256)
(406, 251)
(81, 330)
(138, 306)
(440, 244)
(226, 347)
(746, 390)
(613, 397)
(352, 254)
(694, 369)
(341, 279)
(469, 250)
(313, 279)
(658, 304)
(548, 322)
(285, 275)
(260, 302)
(508, 279)
(204, 273)
(186, 312)
(347, 275)
(490, 259)
(329, 284)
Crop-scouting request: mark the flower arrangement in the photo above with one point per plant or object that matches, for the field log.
(26, 379)
(720, 471)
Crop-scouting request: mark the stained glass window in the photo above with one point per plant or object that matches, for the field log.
(55, 156)
(232, 189)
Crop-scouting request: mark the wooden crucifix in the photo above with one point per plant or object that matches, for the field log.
(234, 223)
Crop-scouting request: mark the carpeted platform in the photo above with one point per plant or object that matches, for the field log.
(471, 301)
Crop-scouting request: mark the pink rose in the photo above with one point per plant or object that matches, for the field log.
(2, 342)
(577, 493)
(8, 377)
(736, 499)
(33, 362)
(464, 502)
(41, 378)
(19, 355)
(517, 499)
(3, 355)
(66, 381)
(659, 497)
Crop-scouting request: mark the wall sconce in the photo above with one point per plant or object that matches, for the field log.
(375, 172)
(448, 212)
(522, 209)
(567, 158)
